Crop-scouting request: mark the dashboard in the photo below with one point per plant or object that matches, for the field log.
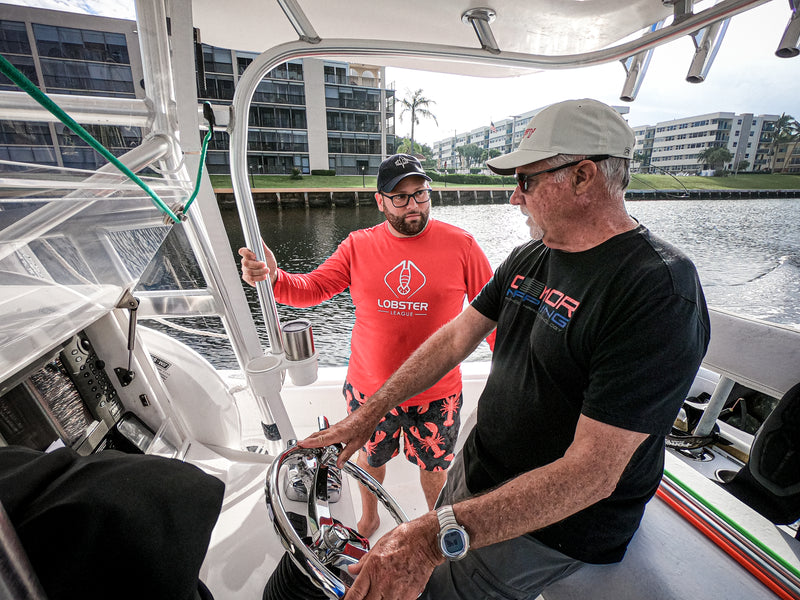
(69, 399)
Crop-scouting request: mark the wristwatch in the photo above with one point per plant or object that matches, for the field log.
(453, 538)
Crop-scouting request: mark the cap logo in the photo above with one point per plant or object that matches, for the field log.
(401, 161)
(627, 150)
(529, 132)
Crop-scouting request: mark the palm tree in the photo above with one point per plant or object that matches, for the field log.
(470, 153)
(715, 155)
(791, 137)
(786, 129)
(416, 104)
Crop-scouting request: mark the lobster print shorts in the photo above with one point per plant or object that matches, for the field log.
(429, 431)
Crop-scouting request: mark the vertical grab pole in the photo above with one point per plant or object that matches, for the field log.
(244, 196)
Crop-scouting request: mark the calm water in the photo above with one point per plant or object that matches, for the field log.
(747, 253)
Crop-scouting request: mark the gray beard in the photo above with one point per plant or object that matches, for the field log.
(536, 231)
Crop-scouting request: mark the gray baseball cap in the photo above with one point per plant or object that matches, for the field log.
(584, 127)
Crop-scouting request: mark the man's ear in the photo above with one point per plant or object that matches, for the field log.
(379, 200)
(584, 176)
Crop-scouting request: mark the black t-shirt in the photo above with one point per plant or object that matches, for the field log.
(616, 333)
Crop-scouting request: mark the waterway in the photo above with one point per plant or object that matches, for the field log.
(747, 253)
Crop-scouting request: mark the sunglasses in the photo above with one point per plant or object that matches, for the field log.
(523, 178)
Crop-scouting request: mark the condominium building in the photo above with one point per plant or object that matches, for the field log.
(499, 137)
(674, 146)
(670, 146)
(65, 53)
(307, 114)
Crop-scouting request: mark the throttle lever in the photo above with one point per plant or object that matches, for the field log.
(131, 303)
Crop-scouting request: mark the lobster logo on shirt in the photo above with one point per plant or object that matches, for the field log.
(405, 279)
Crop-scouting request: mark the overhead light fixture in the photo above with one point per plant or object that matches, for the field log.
(635, 67)
(790, 42)
(707, 42)
(480, 19)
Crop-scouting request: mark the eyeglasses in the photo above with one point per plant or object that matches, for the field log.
(523, 178)
(401, 200)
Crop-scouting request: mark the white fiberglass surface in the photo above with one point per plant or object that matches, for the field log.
(546, 27)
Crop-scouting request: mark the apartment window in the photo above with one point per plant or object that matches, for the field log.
(219, 87)
(25, 66)
(217, 60)
(16, 49)
(277, 141)
(276, 116)
(117, 139)
(45, 156)
(279, 92)
(354, 143)
(242, 62)
(25, 133)
(349, 121)
(335, 74)
(80, 77)
(277, 163)
(293, 71)
(221, 141)
(14, 38)
(352, 165)
(352, 97)
(217, 162)
(80, 44)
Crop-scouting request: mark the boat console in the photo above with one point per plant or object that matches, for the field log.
(69, 398)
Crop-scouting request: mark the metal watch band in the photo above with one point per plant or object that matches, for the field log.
(446, 516)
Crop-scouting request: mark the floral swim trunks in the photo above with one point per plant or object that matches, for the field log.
(429, 431)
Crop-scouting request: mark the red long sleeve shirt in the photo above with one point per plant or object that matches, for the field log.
(403, 289)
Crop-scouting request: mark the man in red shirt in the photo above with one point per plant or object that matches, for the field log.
(407, 276)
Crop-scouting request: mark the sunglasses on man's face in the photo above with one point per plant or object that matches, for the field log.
(523, 178)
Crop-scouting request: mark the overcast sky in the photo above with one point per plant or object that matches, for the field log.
(745, 77)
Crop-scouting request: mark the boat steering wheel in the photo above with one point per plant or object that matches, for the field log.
(332, 546)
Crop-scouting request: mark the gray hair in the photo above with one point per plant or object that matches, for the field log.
(616, 171)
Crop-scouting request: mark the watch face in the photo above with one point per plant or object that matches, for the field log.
(453, 542)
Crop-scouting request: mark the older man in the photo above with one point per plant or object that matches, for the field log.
(601, 327)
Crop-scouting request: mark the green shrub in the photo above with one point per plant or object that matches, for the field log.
(323, 172)
(475, 179)
(296, 174)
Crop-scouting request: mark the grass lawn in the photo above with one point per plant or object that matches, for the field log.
(732, 182)
(638, 182)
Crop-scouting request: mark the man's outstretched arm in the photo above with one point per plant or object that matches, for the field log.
(430, 362)
(588, 472)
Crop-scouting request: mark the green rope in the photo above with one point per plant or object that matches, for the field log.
(754, 540)
(34, 92)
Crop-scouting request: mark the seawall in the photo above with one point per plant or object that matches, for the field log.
(328, 197)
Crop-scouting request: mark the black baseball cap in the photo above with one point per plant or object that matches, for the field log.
(396, 168)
